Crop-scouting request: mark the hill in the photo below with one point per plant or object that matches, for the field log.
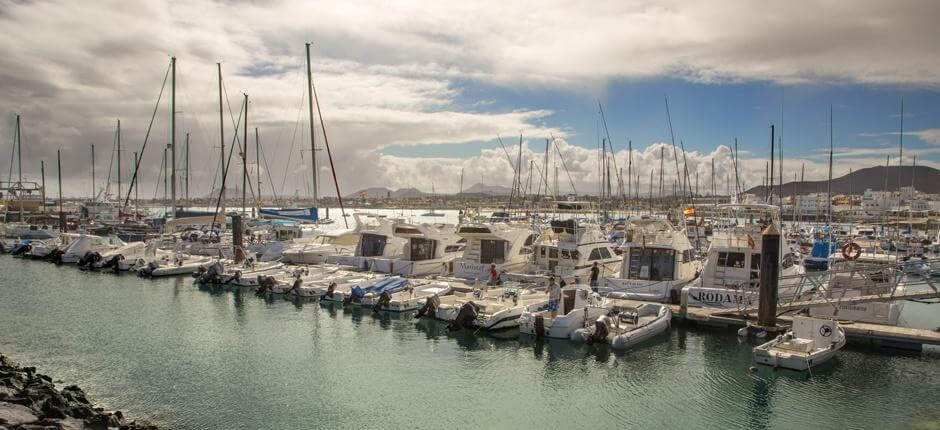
(926, 180)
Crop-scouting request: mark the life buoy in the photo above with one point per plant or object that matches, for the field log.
(851, 251)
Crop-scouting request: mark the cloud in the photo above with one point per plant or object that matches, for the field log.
(931, 135)
(396, 74)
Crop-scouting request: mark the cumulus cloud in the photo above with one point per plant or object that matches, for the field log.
(393, 75)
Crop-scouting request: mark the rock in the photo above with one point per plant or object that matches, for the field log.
(82, 411)
(52, 411)
(71, 424)
(16, 415)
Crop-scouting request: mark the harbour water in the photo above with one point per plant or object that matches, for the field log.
(189, 357)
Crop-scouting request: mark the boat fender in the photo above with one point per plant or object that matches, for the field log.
(539, 326)
(382, 302)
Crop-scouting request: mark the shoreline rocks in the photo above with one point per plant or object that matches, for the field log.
(30, 401)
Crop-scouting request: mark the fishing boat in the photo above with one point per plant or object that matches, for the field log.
(658, 260)
(579, 305)
(809, 342)
(624, 327)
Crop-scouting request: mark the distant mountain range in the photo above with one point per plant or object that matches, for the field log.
(409, 193)
(926, 180)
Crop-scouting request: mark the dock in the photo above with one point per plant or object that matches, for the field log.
(857, 333)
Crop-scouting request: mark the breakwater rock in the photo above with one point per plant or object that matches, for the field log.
(30, 401)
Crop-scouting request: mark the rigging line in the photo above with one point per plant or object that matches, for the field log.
(293, 141)
(199, 125)
(673, 136)
(156, 184)
(218, 201)
(508, 158)
(107, 184)
(613, 155)
(16, 131)
(146, 139)
(563, 164)
(326, 142)
(267, 169)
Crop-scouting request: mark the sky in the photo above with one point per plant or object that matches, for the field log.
(413, 93)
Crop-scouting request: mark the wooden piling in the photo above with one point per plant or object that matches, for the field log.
(769, 277)
(238, 230)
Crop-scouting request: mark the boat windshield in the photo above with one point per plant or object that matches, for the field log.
(652, 264)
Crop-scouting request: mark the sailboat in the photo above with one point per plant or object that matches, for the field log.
(310, 214)
(432, 212)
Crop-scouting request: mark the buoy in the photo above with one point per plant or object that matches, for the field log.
(742, 331)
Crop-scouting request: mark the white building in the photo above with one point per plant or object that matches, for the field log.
(874, 203)
(811, 204)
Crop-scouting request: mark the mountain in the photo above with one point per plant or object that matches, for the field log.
(370, 193)
(925, 180)
(495, 190)
(408, 193)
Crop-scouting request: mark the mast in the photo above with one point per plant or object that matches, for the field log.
(829, 183)
(172, 135)
(119, 157)
(245, 156)
(58, 155)
(313, 149)
(629, 165)
(19, 151)
(258, 162)
(770, 178)
(662, 154)
(136, 194)
(92, 172)
(222, 149)
(900, 160)
(326, 142)
(42, 172)
(187, 168)
(461, 181)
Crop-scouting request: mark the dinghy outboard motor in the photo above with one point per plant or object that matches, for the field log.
(147, 271)
(90, 258)
(21, 249)
(55, 256)
(465, 317)
(383, 301)
(265, 284)
(601, 330)
(329, 290)
(539, 326)
(430, 307)
(211, 274)
(112, 263)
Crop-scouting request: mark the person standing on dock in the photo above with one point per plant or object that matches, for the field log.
(554, 296)
(595, 273)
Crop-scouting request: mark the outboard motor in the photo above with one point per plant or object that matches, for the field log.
(430, 307)
(382, 302)
(539, 326)
(147, 271)
(329, 290)
(211, 274)
(465, 317)
(601, 330)
(90, 258)
(21, 249)
(112, 263)
(265, 284)
(55, 256)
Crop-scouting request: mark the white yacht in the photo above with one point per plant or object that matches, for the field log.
(376, 240)
(568, 249)
(578, 307)
(658, 260)
(28, 231)
(425, 249)
(508, 246)
(319, 248)
(731, 273)
(810, 342)
(86, 244)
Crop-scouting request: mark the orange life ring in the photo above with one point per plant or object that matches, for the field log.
(851, 251)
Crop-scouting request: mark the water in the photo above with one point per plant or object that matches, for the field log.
(187, 357)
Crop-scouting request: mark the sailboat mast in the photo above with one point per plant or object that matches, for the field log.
(42, 173)
(245, 156)
(19, 150)
(770, 178)
(829, 183)
(258, 162)
(900, 159)
(187, 168)
(58, 155)
(92, 172)
(173, 136)
(119, 157)
(313, 148)
(222, 150)
(136, 194)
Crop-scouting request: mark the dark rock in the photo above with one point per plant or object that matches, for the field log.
(53, 411)
(71, 424)
(82, 411)
(15, 415)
